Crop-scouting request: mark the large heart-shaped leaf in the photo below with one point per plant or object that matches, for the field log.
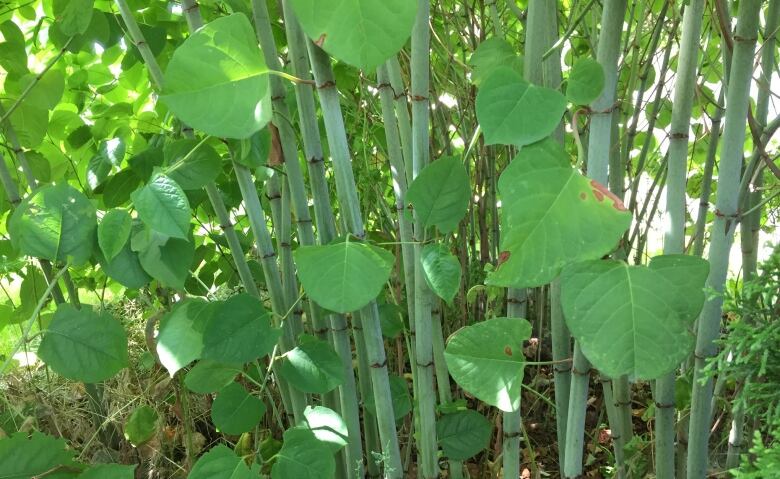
(239, 331)
(442, 271)
(222, 463)
(303, 456)
(163, 206)
(84, 345)
(344, 276)
(180, 340)
(377, 29)
(552, 216)
(512, 111)
(491, 54)
(54, 223)
(440, 194)
(312, 367)
(627, 319)
(463, 434)
(217, 80)
(235, 411)
(486, 359)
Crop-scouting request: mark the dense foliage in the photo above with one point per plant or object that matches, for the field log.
(371, 238)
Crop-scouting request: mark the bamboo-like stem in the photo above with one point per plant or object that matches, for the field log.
(512, 422)
(722, 235)
(402, 114)
(598, 164)
(423, 297)
(350, 204)
(674, 239)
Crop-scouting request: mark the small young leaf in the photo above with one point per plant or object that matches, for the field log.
(327, 426)
(141, 426)
(586, 81)
(114, 232)
(442, 271)
(84, 345)
(210, 376)
(235, 411)
(222, 463)
(180, 340)
(486, 359)
(163, 206)
(440, 194)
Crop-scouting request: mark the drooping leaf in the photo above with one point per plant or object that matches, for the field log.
(585, 82)
(163, 206)
(238, 331)
(345, 276)
(125, 268)
(167, 260)
(84, 345)
(217, 80)
(493, 53)
(222, 463)
(109, 471)
(303, 456)
(180, 340)
(55, 222)
(210, 376)
(377, 29)
(235, 411)
(486, 359)
(624, 318)
(312, 367)
(31, 291)
(440, 194)
(114, 232)
(442, 271)
(463, 434)
(512, 111)
(327, 426)
(190, 164)
(141, 425)
(23, 457)
(552, 216)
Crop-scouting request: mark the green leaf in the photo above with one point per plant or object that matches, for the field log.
(31, 291)
(84, 345)
(235, 411)
(114, 232)
(180, 340)
(29, 121)
(486, 359)
(312, 367)
(119, 187)
(512, 111)
(210, 376)
(552, 216)
(239, 331)
(377, 29)
(73, 16)
(303, 456)
(586, 81)
(624, 318)
(189, 167)
(252, 152)
(345, 276)
(222, 463)
(22, 457)
(463, 434)
(491, 54)
(141, 426)
(163, 206)
(391, 320)
(109, 471)
(125, 268)
(327, 426)
(440, 194)
(168, 261)
(442, 271)
(55, 222)
(399, 395)
(217, 80)
(687, 274)
(109, 155)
